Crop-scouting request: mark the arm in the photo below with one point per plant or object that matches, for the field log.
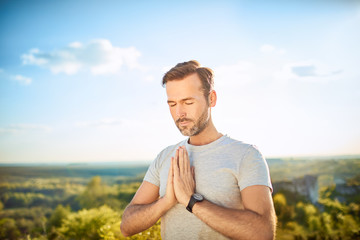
(256, 221)
(146, 208)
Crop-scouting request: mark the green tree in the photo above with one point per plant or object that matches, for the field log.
(283, 211)
(55, 220)
(58, 215)
(94, 194)
(8, 229)
(96, 223)
(327, 224)
(349, 228)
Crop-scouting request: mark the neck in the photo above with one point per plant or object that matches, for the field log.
(208, 135)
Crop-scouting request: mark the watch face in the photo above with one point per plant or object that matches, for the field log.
(198, 196)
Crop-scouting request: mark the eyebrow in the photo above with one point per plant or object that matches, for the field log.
(182, 100)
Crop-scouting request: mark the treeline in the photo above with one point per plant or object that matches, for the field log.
(288, 169)
(55, 209)
(72, 171)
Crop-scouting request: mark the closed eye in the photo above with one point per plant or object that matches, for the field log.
(171, 104)
(189, 103)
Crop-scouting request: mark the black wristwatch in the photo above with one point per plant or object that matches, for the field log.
(196, 197)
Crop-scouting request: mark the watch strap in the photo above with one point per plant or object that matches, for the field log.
(192, 202)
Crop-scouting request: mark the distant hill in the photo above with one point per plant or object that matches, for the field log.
(73, 170)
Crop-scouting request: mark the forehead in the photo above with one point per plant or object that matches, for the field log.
(190, 86)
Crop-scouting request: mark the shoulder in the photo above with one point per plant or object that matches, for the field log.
(244, 152)
(239, 145)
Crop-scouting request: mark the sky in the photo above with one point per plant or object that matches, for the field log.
(80, 81)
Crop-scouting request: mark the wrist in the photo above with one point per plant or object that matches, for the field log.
(185, 200)
(166, 203)
(194, 199)
(196, 206)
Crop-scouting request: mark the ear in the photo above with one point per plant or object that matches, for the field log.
(212, 98)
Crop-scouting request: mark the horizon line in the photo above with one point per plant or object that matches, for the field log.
(141, 162)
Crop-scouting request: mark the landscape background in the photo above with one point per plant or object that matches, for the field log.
(314, 199)
(82, 110)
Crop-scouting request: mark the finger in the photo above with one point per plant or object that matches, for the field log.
(177, 157)
(175, 168)
(171, 171)
(186, 161)
(193, 175)
(193, 171)
(171, 167)
(181, 160)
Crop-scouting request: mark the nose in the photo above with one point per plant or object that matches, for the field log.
(180, 113)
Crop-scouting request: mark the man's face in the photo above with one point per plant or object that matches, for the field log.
(187, 104)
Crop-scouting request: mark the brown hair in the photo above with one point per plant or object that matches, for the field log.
(182, 70)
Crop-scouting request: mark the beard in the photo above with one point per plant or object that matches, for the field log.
(198, 126)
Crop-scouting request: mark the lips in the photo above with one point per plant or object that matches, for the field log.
(183, 122)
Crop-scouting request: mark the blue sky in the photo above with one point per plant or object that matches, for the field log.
(80, 80)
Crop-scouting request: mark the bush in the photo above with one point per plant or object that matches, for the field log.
(96, 223)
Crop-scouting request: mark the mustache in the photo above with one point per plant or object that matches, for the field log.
(184, 120)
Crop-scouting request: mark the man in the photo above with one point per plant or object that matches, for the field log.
(208, 186)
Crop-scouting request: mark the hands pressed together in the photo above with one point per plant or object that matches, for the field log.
(181, 179)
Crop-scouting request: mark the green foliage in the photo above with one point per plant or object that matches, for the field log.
(58, 215)
(337, 168)
(38, 192)
(98, 193)
(126, 192)
(17, 199)
(94, 194)
(74, 170)
(28, 220)
(354, 181)
(8, 229)
(284, 212)
(306, 221)
(95, 223)
(56, 219)
(34, 198)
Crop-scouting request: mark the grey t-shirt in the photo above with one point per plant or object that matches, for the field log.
(222, 169)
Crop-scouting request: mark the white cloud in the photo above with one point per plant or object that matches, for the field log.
(99, 56)
(105, 122)
(268, 48)
(76, 45)
(18, 128)
(22, 80)
(308, 71)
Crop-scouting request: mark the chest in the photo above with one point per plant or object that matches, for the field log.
(216, 177)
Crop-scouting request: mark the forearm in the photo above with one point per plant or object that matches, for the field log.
(236, 224)
(139, 217)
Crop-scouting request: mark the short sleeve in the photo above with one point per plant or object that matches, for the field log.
(253, 170)
(152, 175)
